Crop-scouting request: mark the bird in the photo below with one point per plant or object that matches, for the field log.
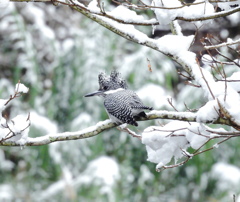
(121, 104)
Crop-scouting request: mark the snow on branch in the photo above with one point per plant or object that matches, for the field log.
(166, 11)
(16, 129)
(105, 125)
(168, 144)
(222, 44)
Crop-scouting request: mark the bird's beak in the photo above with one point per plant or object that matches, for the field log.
(94, 93)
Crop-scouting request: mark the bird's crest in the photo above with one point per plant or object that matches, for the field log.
(112, 82)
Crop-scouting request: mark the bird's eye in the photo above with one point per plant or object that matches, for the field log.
(105, 88)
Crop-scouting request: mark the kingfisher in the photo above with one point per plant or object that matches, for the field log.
(121, 104)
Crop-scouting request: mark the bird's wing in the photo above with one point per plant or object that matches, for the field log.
(136, 103)
(117, 106)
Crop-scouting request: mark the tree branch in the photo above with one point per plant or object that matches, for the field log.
(106, 125)
(222, 44)
(146, 22)
(209, 17)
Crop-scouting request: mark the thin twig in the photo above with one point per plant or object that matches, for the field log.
(206, 82)
(170, 102)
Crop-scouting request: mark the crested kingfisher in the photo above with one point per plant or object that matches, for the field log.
(121, 104)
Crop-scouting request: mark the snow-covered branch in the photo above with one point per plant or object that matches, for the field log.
(106, 125)
(210, 16)
(222, 44)
(164, 143)
(200, 11)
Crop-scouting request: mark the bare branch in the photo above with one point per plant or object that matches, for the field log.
(206, 83)
(170, 102)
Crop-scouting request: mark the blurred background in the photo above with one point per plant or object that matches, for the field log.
(58, 54)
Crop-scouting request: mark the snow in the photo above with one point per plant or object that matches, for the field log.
(103, 171)
(166, 16)
(4, 4)
(227, 5)
(3, 123)
(43, 123)
(6, 192)
(117, 13)
(172, 140)
(196, 11)
(177, 28)
(38, 16)
(19, 125)
(228, 176)
(129, 15)
(167, 43)
(161, 146)
(81, 120)
(127, 29)
(231, 103)
(103, 168)
(209, 112)
(235, 78)
(93, 6)
(154, 95)
(197, 135)
(21, 88)
(207, 59)
(146, 175)
(5, 165)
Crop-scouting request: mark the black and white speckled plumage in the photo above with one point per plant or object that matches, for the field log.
(122, 105)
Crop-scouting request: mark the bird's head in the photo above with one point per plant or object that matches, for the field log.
(109, 84)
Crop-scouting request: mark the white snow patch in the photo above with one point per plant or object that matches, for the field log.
(197, 135)
(43, 123)
(228, 176)
(38, 16)
(81, 120)
(173, 44)
(129, 30)
(123, 13)
(207, 59)
(235, 78)
(93, 6)
(6, 192)
(104, 169)
(165, 16)
(6, 165)
(228, 4)
(161, 146)
(21, 88)
(19, 125)
(103, 172)
(209, 112)
(4, 4)
(154, 94)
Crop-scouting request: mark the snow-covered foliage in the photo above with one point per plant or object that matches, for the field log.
(58, 54)
(17, 128)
